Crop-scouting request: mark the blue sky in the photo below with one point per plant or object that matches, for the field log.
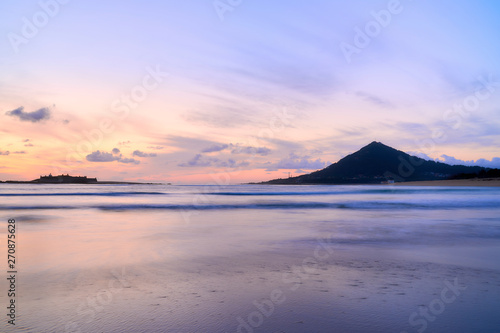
(250, 76)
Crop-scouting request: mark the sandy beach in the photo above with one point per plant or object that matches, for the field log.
(318, 287)
(248, 259)
(489, 182)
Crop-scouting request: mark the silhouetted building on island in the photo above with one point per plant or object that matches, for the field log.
(65, 179)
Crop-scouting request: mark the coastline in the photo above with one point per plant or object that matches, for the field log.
(90, 183)
(484, 182)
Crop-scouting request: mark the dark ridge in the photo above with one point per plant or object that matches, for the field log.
(377, 163)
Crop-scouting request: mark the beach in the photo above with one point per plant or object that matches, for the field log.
(142, 258)
(234, 166)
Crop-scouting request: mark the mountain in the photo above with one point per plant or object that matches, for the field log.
(376, 163)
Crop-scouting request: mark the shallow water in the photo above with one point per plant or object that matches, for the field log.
(154, 258)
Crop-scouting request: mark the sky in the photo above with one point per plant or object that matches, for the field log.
(233, 91)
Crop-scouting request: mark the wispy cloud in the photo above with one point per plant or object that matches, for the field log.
(215, 148)
(189, 143)
(249, 150)
(34, 116)
(220, 117)
(230, 163)
(128, 160)
(237, 149)
(294, 161)
(374, 99)
(139, 153)
(4, 152)
(199, 161)
(104, 157)
(207, 161)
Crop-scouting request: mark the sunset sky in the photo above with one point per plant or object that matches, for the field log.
(236, 90)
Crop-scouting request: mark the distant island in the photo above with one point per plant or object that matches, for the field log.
(64, 179)
(377, 163)
(67, 179)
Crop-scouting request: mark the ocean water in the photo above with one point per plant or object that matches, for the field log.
(252, 258)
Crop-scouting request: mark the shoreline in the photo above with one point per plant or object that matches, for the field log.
(483, 182)
(90, 183)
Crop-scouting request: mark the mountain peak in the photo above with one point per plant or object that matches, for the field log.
(375, 163)
(376, 144)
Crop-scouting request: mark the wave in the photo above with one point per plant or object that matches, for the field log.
(363, 191)
(335, 192)
(364, 205)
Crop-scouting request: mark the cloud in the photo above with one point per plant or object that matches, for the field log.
(374, 99)
(27, 140)
(283, 145)
(103, 157)
(19, 152)
(215, 148)
(290, 68)
(199, 161)
(494, 163)
(262, 151)
(4, 152)
(115, 151)
(453, 161)
(296, 162)
(128, 160)
(124, 143)
(28, 145)
(98, 156)
(139, 153)
(189, 143)
(237, 149)
(204, 161)
(34, 117)
(156, 147)
(221, 116)
(230, 163)
(421, 155)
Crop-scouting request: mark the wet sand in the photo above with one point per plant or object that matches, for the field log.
(381, 260)
(336, 289)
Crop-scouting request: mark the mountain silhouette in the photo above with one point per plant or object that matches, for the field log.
(376, 163)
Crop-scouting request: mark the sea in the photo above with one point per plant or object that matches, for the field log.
(249, 258)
